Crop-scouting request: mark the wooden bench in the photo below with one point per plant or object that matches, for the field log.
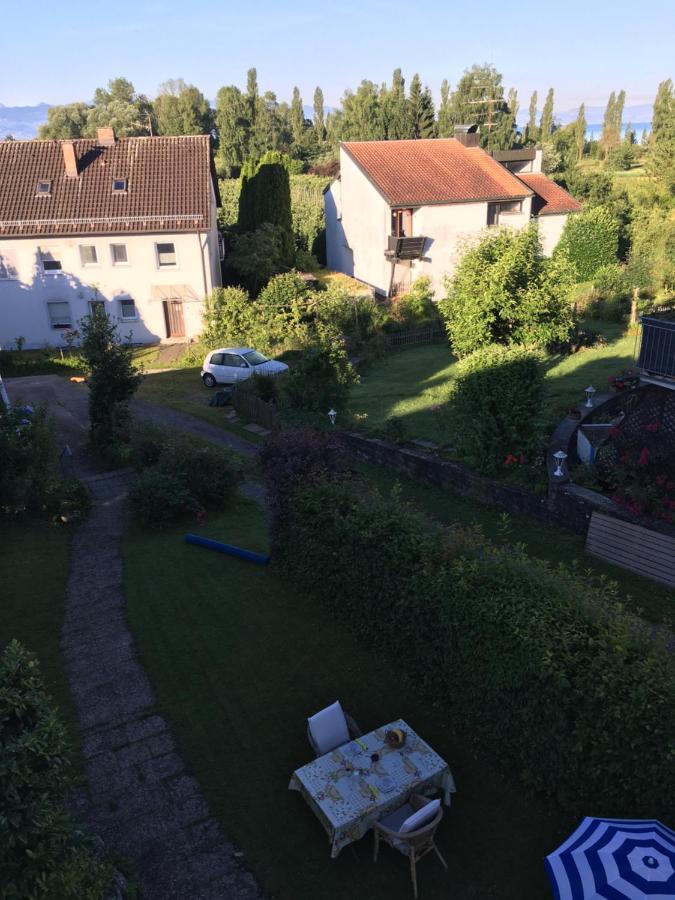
(632, 547)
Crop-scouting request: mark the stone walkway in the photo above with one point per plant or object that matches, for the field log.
(140, 801)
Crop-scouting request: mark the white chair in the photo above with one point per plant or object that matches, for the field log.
(331, 728)
(410, 830)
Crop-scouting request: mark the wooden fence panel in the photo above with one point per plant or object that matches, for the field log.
(632, 547)
(254, 409)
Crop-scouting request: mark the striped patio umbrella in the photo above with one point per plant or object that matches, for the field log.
(615, 859)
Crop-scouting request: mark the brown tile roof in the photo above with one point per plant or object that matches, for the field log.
(168, 187)
(549, 198)
(441, 170)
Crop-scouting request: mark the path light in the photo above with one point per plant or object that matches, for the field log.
(590, 390)
(559, 456)
(332, 415)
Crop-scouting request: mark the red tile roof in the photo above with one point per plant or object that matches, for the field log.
(441, 170)
(549, 198)
(168, 186)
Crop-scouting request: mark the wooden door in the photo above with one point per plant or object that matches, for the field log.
(173, 316)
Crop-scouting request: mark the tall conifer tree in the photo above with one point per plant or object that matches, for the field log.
(445, 124)
(580, 131)
(531, 133)
(546, 124)
(319, 122)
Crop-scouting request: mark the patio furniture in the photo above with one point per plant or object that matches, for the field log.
(359, 783)
(411, 830)
(331, 728)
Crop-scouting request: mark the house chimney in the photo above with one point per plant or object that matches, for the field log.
(467, 135)
(69, 158)
(105, 137)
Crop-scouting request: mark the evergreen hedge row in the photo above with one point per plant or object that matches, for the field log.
(550, 675)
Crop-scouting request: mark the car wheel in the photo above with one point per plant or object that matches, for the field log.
(209, 380)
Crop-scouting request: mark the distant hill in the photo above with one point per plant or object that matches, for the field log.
(22, 121)
(638, 115)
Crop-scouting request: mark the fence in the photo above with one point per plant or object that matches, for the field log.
(657, 349)
(433, 334)
(254, 409)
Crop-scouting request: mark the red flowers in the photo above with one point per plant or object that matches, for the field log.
(643, 458)
(514, 459)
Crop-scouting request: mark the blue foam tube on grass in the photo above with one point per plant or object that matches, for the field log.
(229, 549)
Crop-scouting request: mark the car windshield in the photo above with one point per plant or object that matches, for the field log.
(253, 358)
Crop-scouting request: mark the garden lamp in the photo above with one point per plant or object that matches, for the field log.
(559, 456)
(590, 390)
(332, 415)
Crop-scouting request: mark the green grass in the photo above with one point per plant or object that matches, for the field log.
(407, 383)
(653, 601)
(33, 575)
(240, 659)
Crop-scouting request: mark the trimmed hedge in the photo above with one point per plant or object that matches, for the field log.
(590, 240)
(554, 679)
(42, 852)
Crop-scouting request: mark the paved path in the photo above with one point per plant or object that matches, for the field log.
(139, 799)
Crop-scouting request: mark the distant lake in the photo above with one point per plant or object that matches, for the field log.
(593, 132)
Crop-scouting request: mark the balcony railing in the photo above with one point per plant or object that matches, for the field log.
(404, 247)
(657, 347)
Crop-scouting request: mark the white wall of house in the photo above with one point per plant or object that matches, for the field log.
(358, 222)
(26, 295)
(550, 230)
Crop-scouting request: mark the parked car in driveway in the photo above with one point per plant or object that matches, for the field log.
(231, 364)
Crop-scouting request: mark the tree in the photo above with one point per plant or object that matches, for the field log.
(531, 133)
(182, 109)
(252, 96)
(269, 131)
(119, 107)
(546, 123)
(420, 110)
(319, 125)
(445, 127)
(297, 117)
(265, 197)
(661, 156)
(590, 240)
(234, 130)
(618, 114)
(504, 291)
(113, 380)
(394, 110)
(65, 122)
(580, 131)
(361, 120)
(479, 99)
(609, 136)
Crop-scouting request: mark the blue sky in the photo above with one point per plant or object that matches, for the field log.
(61, 51)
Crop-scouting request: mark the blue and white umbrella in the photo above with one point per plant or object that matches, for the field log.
(615, 859)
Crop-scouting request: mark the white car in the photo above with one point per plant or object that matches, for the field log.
(231, 364)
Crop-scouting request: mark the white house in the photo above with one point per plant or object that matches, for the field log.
(128, 223)
(402, 209)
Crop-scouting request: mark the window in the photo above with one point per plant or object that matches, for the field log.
(233, 359)
(8, 265)
(88, 255)
(119, 185)
(50, 261)
(44, 188)
(166, 254)
(217, 359)
(253, 358)
(128, 309)
(59, 314)
(402, 222)
(495, 210)
(221, 247)
(118, 253)
(96, 307)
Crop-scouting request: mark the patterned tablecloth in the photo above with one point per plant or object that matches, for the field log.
(348, 792)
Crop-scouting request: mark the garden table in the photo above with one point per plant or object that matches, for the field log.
(349, 792)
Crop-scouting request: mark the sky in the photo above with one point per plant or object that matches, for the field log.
(59, 52)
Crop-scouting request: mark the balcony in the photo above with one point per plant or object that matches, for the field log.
(657, 347)
(404, 247)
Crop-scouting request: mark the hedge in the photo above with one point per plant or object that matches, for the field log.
(590, 240)
(546, 672)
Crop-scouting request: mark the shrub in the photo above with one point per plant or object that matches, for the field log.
(229, 318)
(159, 498)
(265, 387)
(496, 406)
(265, 198)
(113, 380)
(27, 456)
(255, 256)
(541, 667)
(503, 291)
(202, 469)
(42, 852)
(590, 240)
(324, 375)
(417, 305)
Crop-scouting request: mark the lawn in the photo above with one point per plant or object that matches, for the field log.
(653, 601)
(239, 659)
(408, 383)
(33, 575)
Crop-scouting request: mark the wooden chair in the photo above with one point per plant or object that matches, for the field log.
(330, 728)
(416, 843)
